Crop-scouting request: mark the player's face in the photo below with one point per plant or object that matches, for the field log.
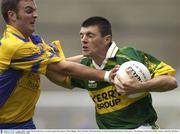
(93, 43)
(25, 20)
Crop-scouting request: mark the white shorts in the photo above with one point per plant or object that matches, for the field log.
(148, 126)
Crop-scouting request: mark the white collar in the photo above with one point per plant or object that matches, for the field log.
(110, 54)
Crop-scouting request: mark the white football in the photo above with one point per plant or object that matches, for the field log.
(139, 70)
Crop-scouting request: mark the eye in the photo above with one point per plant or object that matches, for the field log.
(81, 36)
(29, 10)
(91, 35)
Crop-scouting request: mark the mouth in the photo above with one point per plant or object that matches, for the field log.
(33, 23)
(84, 48)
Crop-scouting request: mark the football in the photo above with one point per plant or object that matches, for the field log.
(139, 71)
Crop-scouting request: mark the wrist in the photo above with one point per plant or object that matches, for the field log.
(144, 86)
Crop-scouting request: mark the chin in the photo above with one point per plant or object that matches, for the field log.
(31, 31)
(85, 54)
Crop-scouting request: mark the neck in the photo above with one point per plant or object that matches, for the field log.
(24, 34)
(100, 56)
(98, 59)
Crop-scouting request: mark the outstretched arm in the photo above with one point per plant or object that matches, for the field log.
(59, 79)
(80, 71)
(76, 58)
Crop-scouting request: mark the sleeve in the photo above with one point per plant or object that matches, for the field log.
(6, 53)
(78, 83)
(56, 48)
(156, 66)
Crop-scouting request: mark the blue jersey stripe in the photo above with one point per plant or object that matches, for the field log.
(22, 125)
(8, 81)
(51, 56)
(35, 56)
(36, 39)
(21, 38)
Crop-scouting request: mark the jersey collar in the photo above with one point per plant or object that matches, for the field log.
(16, 33)
(110, 54)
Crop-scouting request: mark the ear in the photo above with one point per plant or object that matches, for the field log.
(12, 16)
(107, 39)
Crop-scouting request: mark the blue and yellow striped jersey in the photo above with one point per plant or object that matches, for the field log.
(21, 62)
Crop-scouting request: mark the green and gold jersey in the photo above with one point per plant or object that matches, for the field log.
(114, 111)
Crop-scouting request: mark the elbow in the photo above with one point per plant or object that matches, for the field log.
(173, 82)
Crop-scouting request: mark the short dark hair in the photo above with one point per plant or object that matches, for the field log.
(7, 5)
(103, 24)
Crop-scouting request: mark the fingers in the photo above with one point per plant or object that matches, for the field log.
(120, 90)
(111, 76)
(117, 82)
(53, 45)
(118, 85)
(117, 66)
(132, 75)
(121, 80)
(129, 72)
(113, 73)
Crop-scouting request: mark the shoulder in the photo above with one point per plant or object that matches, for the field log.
(11, 42)
(126, 50)
(129, 53)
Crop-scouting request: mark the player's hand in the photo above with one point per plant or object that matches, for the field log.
(130, 86)
(113, 73)
(54, 47)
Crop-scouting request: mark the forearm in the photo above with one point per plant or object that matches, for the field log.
(56, 78)
(76, 58)
(59, 79)
(83, 72)
(160, 84)
(77, 70)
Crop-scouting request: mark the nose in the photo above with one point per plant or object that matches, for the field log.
(84, 38)
(35, 14)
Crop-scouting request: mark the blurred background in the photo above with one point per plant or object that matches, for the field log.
(152, 26)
